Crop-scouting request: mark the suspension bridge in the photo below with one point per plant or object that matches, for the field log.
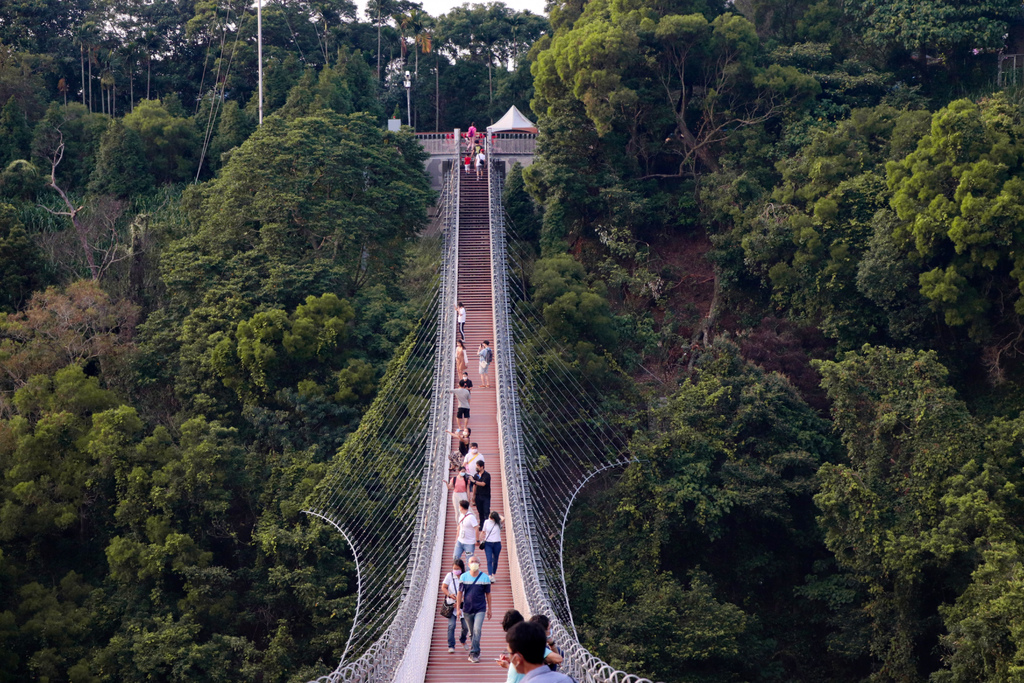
(538, 427)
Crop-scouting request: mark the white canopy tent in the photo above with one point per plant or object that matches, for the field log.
(513, 120)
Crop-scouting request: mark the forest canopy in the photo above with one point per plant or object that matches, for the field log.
(778, 240)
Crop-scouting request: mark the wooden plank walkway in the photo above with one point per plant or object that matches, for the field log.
(475, 292)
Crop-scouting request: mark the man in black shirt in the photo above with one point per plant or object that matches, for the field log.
(482, 483)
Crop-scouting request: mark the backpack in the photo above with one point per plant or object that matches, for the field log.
(488, 355)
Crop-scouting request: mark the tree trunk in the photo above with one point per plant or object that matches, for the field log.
(378, 41)
(703, 334)
(490, 82)
(437, 93)
(702, 153)
(113, 99)
(90, 78)
(137, 273)
(149, 72)
(131, 91)
(81, 55)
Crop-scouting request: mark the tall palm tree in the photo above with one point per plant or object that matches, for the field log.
(419, 24)
(378, 11)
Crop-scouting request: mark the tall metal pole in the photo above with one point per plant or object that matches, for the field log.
(408, 98)
(259, 50)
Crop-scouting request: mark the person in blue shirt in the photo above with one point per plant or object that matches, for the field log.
(474, 602)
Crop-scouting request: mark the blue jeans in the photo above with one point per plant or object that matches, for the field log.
(492, 551)
(451, 631)
(476, 625)
(461, 547)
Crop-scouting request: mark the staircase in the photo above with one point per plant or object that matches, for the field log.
(475, 292)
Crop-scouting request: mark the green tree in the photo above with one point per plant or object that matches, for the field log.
(951, 28)
(121, 168)
(171, 141)
(80, 324)
(959, 198)
(21, 181)
(671, 568)
(22, 270)
(520, 206)
(15, 135)
(638, 72)
(906, 434)
(810, 237)
(80, 132)
(234, 126)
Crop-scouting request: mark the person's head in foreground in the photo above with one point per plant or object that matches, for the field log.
(525, 644)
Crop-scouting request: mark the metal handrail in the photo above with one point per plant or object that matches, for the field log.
(391, 653)
(513, 144)
(578, 661)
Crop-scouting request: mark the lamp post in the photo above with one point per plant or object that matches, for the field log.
(408, 98)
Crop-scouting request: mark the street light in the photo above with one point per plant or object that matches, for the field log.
(408, 97)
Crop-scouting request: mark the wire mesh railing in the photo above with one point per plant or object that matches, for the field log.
(513, 144)
(553, 442)
(439, 144)
(385, 490)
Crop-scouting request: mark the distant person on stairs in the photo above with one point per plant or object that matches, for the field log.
(457, 484)
(450, 586)
(474, 602)
(461, 361)
(472, 458)
(459, 456)
(482, 488)
(462, 415)
(471, 135)
(492, 542)
(461, 310)
(485, 356)
(466, 542)
(481, 158)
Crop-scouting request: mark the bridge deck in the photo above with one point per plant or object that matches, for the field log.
(475, 292)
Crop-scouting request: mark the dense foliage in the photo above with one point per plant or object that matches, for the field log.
(778, 241)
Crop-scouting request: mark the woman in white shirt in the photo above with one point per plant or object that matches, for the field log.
(492, 542)
(450, 586)
(481, 159)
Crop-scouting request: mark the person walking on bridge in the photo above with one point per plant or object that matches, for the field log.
(458, 484)
(450, 586)
(485, 356)
(469, 461)
(482, 491)
(474, 602)
(491, 538)
(463, 436)
(461, 361)
(481, 160)
(461, 318)
(466, 541)
(462, 394)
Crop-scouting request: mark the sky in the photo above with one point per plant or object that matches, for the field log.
(438, 7)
